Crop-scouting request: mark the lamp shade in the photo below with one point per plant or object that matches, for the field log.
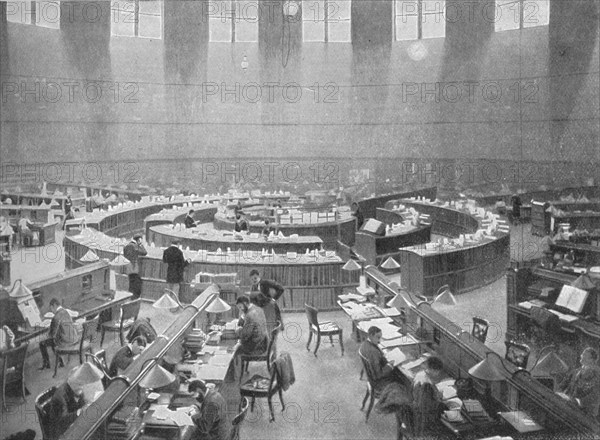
(218, 306)
(165, 302)
(583, 282)
(399, 302)
(549, 365)
(20, 291)
(351, 265)
(90, 257)
(390, 263)
(85, 374)
(486, 370)
(445, 298)
(119, 261)
(158, 377)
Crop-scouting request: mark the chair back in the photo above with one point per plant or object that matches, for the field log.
(14, 364)
(41, 402)
(271, 349)
(516, 353)
(312, 315)
(480, 329)
(99, 360)
(238, 419)
(368, 369)
(130, 310)
(90, 329)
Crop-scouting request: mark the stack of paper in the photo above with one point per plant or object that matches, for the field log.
(395, 356)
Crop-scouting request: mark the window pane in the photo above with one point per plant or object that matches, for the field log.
(19, 12)
(313, 20)
(507, 15)
(433, 20)
(338, 10)
(151, 7)
(123, 19)
(220, 29)
(246, 21)
(536, 13)
(47, 14)
(406, 28)
(150, 26)
(407, 7)
(340, 31)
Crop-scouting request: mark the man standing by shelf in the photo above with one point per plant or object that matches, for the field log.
(176, 263)
(132, 252)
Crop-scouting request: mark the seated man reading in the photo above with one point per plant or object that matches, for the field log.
(253, 335)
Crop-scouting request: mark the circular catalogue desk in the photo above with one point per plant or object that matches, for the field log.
(213, 240)
(330, 232)
(464, 267)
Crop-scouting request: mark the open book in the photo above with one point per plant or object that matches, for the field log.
(572, 298)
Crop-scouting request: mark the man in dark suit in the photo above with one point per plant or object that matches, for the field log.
(267, 288)
(189, 220)
(176, 263)
(211, 421)
(65, 405)
(125, 355)
(63, 331)
(133, 251)
(253, 333)
(382, 371)
(241, 224)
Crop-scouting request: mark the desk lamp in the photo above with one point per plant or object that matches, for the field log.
(390, 264)
(89, 257)
(20, 291)
(443, 296)
(217, 306)
(154, 379)
(549, 364)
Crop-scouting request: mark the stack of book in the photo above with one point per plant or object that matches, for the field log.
(123, 424)
(194, 341)
(474, 411)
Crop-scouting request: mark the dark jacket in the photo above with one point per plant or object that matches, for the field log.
(241, 225)
(212, 420)
(121, 360)
(173, 256)
(381, 371)
(584, 384)
(62, 410)
(360, 219)
(62, 328)
(132, 252)
(268, 288)
(254, 337)
(142, 327)
(189, 222)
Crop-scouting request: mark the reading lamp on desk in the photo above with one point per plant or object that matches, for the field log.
(156, 378)
(443, 296)
(170, 301)
(549, 364)
(390, 265)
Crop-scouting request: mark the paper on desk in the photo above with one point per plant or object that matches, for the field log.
(393, 311)
(181, 417)
(412, 364)
(526, 305)
(395, 356)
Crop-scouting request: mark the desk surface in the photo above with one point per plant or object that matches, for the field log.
(521, 421)
(212, 363)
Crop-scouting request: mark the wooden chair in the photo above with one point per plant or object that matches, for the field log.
(83, 345)
(321, 329)
(372, 390)
(480, 329)
(13, 370)
(234, 434)
(267, 356)
(41, 402)
(99, 360)
(517, 353)
(265, 387)
(128, 315)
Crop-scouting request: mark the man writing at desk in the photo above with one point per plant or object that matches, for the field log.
(211, 421)
(62, 332)
(65, 405)
(125, 355)
(582, 386)
(382, 371)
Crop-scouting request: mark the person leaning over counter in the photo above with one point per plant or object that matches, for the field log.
(582, 386)
(267, 288)
(211, 420)
(125, 355)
